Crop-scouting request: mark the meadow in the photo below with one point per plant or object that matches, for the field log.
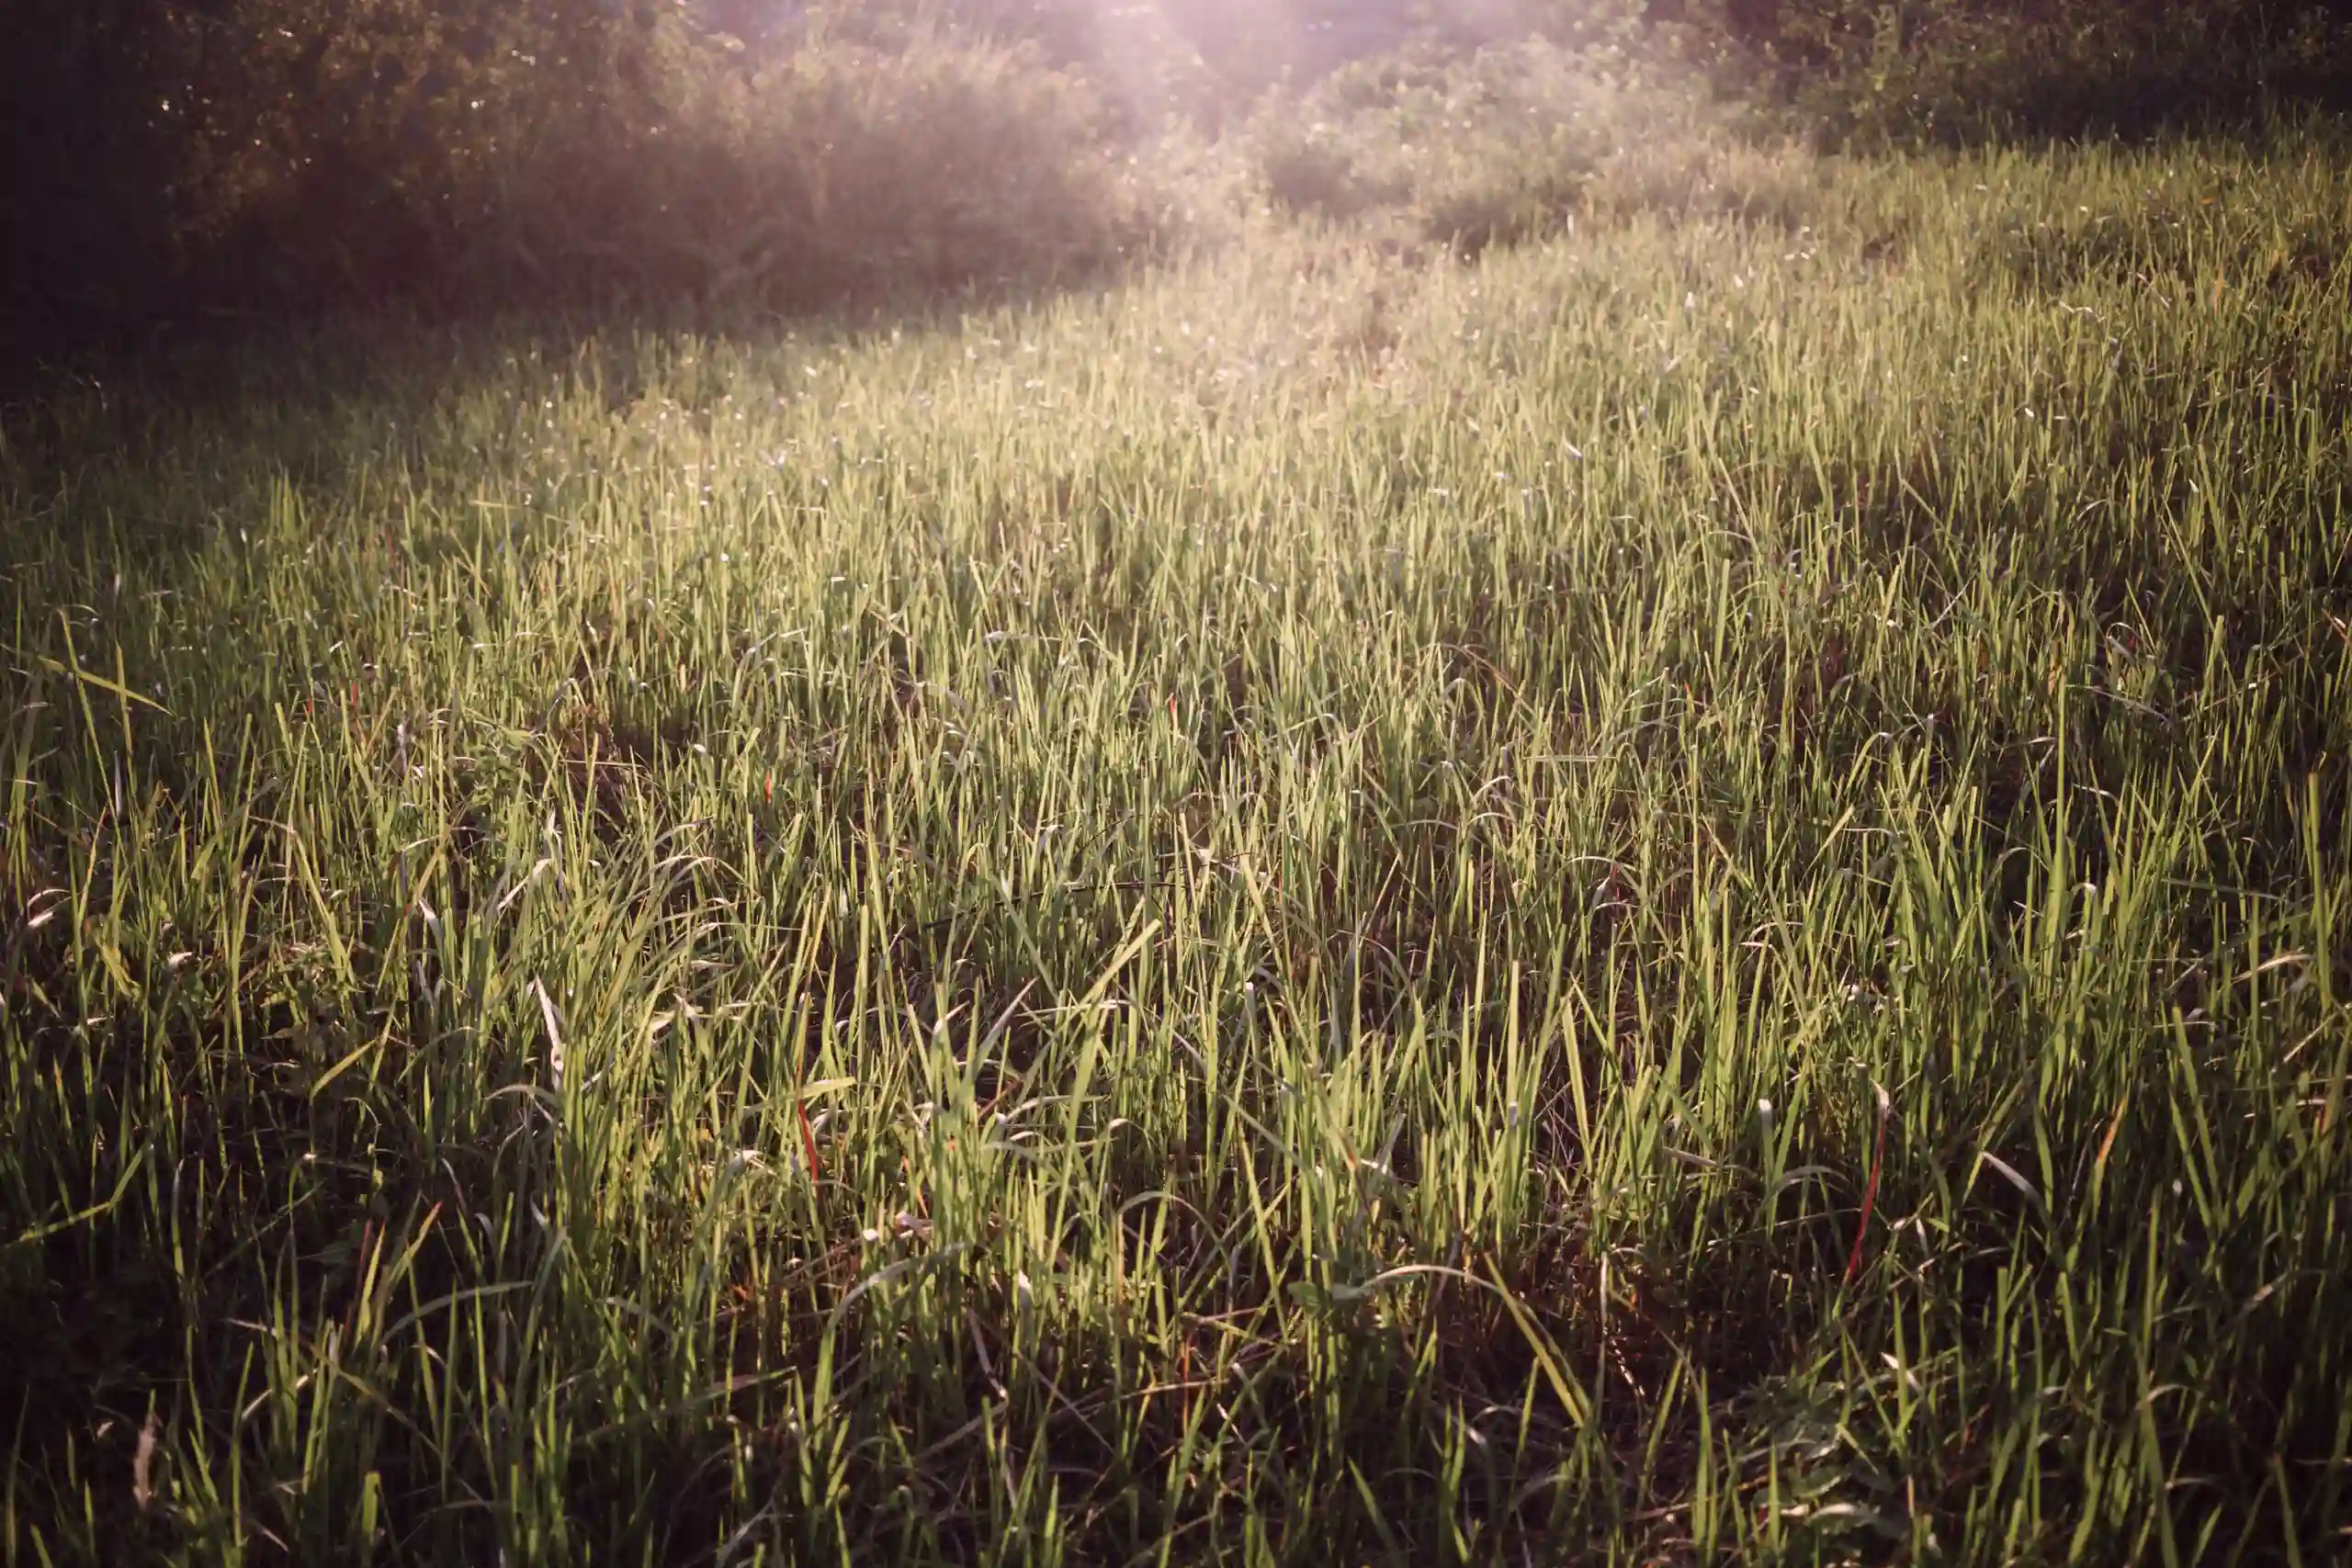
(1678, 894)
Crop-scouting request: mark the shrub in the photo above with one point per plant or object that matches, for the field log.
(841, 170)
(1871, 74)
(1462, 150)
(1511, 141)
(279, 155)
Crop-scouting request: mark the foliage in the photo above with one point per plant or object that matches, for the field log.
(1871, 73)
(1509, 142)
(836, 172)
(279, 156)
(168, 159)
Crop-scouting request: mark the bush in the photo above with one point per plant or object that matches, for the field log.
(1467, 151)
(839, 171)
(1513, 141)
(1870, 74)
(279, 155)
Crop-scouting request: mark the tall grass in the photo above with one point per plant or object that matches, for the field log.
(1677, 896)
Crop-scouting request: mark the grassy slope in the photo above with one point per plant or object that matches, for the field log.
(1335, 853)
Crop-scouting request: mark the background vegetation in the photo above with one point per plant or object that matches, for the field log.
(266, 158)
(1613, 826)
(169, 161)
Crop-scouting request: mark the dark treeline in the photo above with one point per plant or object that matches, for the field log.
(168, 162)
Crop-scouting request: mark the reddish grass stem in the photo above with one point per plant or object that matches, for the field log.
(1869, 1188)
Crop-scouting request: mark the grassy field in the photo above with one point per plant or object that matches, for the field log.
(1678, 897)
